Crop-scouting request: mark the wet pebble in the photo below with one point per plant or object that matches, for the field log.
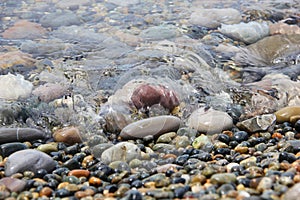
(28, 159)
(123, 151)
(154, 126)
(285, 114)
(20, 134)
(210, 121)
(258, 123)
(13, 184)
(223, 178)
(68, 135)
(9, 148)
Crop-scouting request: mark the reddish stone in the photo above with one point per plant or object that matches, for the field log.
(68, 135)
(147, 95)
(24, 29)
(13, 184)
(46, 191)
(79, 173)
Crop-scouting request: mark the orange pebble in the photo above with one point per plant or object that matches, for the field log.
(95, 181)
(277, 135)
(46, 191)
(85, 193)
(79, 173)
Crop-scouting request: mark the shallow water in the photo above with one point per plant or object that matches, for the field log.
(94, 48)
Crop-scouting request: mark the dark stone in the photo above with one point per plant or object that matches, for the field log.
(137, 184)
(72, 164)
(222, 151)
(180, 191)
(180, 160)
(9, 148)
(134, 195)
(40, 173)
(223, 138)
(111, 188)
(178, 180)
(240, 136)
(62, 193)
(297, 126)
(287, 156)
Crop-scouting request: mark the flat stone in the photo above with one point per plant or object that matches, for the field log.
(160, 32)
(20, 134)
(284, 114)
(24, 29)
(10, 59)
(49, 91)
(49, 147)
(246, 32)
(58, 19)
(13, 184)
(9, 148)
(154, 126)
(213, 18)
(223, 178)
(68, 135)
(258, 123)
(28, 160)
(209, 121)
(123, 151)
(14, 87)
(292, 193)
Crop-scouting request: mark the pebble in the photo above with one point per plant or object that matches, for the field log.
(212, 18)
(285, 114)
(160, 32)
(223, 178)
(201, 141)
(9, 148)
(20, 134)
(166, 138)
(241, 31)
(292, 193)
(14, 87)
(123, 151)
(147, 95)
(15, 58)
(62, 18)
(154, 126)
(49, 91)
(259, 123)
(69, 135)
(13, 184)
(28, 159)
(210, 121)
(49, 147)
(24, 29)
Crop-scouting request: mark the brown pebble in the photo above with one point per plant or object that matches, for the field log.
(198, 179)
(87, 160)
(62, 185)
(95, 181)
(285, 166)
(277, 135)
(229, 133)
(46, 191)
(285, 114)
(297, 178)
(240, 149)
(150, 184)
(79, 173)
(68, 135)
(85, 193)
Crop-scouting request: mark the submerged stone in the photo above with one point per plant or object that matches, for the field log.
(154, 126)
(209, 121)
(258, 123)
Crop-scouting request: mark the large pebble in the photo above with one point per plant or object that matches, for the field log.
(154, 126)
(292, 193)
(285, 114)
(123, 151)
(68, 135)
(246, 32)
(258, 123)
(24, 29)
(223, 178)
(13, 184)
(49, 91)
(210, 121)
(160, 32)
(28, 160)
(13, 58)
(20, 134)
(58, 19)
(14, 87)
(213, 18)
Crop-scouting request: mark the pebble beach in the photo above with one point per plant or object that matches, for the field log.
(145, 100)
